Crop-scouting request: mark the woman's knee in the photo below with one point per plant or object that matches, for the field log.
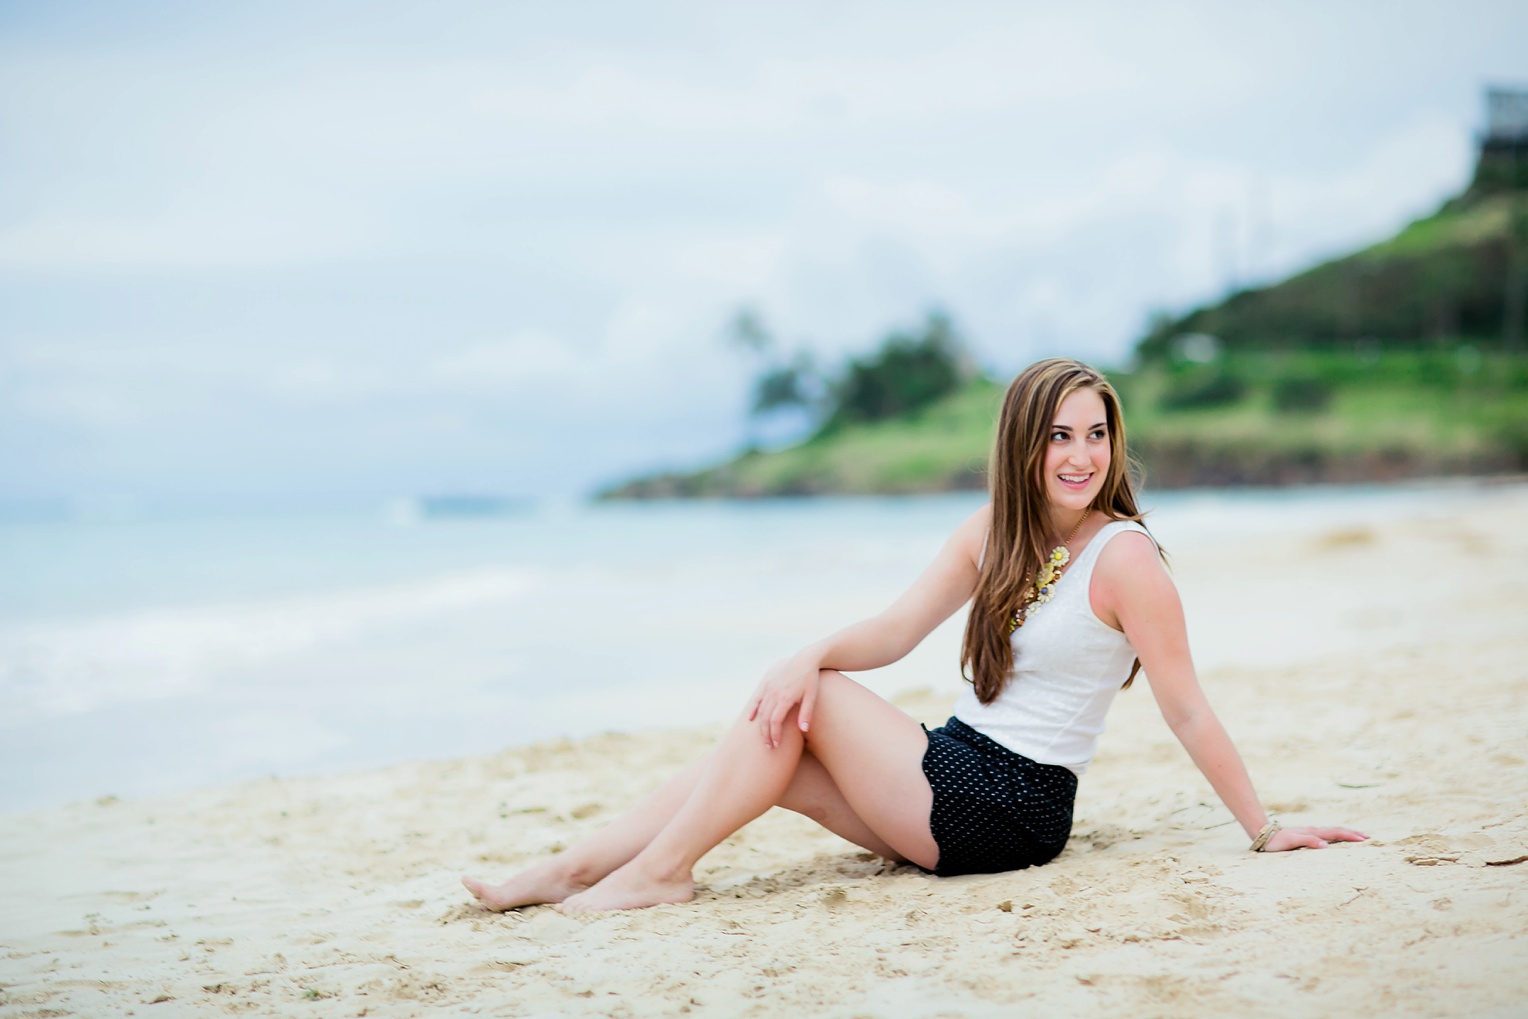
(749, 716)
(834, 686)
(830, 678)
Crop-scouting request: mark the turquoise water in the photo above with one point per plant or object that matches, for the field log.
(160, 653)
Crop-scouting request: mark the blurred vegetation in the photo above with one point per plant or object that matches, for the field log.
(1404, 359)
(905, 373)
(1330, 416)
(1456, 276)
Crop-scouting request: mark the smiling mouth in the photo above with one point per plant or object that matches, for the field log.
(1075, 479)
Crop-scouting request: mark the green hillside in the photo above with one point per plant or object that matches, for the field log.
(1404, 359)
(1378, 417)
(1443, 280)
(1283, 417)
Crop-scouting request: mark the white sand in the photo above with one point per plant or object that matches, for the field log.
(1376, 677)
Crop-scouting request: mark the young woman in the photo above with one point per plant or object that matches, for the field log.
(1069, 598)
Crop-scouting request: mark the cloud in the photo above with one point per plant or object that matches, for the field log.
(304, 235)
(515, 363)
(191, 236)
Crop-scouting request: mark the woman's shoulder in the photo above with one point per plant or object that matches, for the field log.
(1126, 547)
(1100, 532)
(971, 535)
(1116, 526)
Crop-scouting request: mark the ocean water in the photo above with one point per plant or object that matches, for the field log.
(158, 653)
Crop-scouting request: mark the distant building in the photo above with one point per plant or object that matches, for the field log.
(1503, 161)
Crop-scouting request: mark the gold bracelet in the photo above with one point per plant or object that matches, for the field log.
(1261, 842)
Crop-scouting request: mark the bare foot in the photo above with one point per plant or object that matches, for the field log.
(630, 887)
(545, 882)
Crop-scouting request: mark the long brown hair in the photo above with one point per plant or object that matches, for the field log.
(1018, 540)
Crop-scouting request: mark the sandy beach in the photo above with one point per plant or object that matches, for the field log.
(1374, 676)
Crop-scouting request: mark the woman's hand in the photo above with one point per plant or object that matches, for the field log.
(1310, 838)
(787, 683)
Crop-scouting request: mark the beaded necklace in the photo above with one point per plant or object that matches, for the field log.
(1046, 577)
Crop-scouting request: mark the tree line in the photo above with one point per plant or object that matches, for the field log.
(906, 371)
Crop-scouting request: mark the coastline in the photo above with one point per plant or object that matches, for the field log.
(1371, 675)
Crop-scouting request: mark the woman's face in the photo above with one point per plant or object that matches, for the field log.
(1077, 451)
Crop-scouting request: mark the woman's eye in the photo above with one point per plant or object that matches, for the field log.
(1100, 435)
(1059, 436)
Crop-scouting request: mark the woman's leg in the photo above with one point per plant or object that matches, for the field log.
(812, 793)
(580, 866)
(872, 752)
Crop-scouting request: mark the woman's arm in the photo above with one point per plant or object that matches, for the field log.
(1131, 591)
(942, 588)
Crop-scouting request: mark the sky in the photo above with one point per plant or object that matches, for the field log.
(360, 250)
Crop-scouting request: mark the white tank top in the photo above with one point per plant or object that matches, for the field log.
(1068, 665)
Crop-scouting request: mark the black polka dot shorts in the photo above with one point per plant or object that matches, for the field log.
(994, 810)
